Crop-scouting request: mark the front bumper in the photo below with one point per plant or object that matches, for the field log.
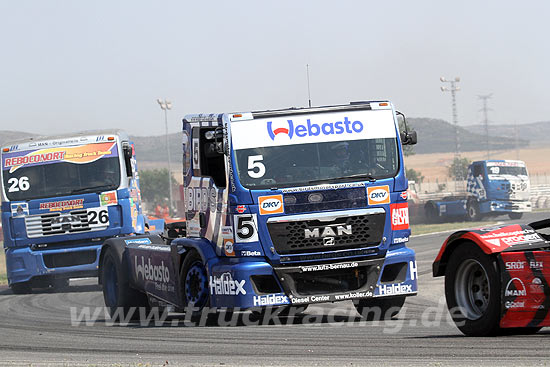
(24, 264)
(256, 283)
(497, 206)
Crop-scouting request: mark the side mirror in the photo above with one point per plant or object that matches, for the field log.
(127, 151)
(408, 137)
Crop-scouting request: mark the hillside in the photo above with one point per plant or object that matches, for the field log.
(438, 136)
(534, 132)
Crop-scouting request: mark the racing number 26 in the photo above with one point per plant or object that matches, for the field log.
(21, 184)
(100, 217)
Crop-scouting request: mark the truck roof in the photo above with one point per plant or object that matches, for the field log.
(214, 119)
(43, 138)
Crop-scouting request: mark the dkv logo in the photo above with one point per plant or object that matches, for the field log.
(378, 195)
(271, 204)
(312, 129)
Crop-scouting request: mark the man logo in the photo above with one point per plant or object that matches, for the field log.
(378, 195)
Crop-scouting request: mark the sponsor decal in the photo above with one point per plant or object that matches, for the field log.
(19, 209)
(246, 253)
(163, 248)
(515, 288)
(309, 299)
(378, 195)
(271, 204)
(138, 241)
(148, 271)
(62, 205)
(202, 199)
(108, 198)
(399, 216)
(394, 289)
(512, 237)
(293, 129)
(79, 154)
(404, 195)
(322, 267)
(270, 299)
(515, 265)
(536, 286)
(227, 286)
(228, 240)
(534, 264)
(322, 187)
(241, 209)
(400, 240)
(514, 304)
(352, 295)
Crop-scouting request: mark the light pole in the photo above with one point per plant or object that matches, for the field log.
(165, 106)
(485, 110)
(453, 89)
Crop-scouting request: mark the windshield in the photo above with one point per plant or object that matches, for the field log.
(313, 149)
(60, 171)
(507, 170)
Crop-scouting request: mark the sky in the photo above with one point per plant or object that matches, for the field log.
(78, 65)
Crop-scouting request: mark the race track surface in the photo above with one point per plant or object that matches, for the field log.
(44, 329)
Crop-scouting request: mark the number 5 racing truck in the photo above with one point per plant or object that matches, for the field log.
(283, 208)
(62, 196)
(497, 278)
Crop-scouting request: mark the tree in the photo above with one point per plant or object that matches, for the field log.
(414, 175)
(154, 185)
(458, 170)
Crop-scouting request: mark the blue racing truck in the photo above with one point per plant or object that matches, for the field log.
(62, 197)
(283, 208)
(494, 187)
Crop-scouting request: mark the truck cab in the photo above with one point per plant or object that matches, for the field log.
(62, 197)
(283, 208)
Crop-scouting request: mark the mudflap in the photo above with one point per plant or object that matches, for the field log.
(153, 268)
(525, 289)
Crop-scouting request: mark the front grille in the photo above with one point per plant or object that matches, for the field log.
(66, 259)
(69, 222)
(327, 231)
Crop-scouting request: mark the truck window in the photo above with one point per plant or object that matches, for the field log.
(212, 162)
(478, 170)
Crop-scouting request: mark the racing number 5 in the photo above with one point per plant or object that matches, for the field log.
(245, 228)
(254, 161)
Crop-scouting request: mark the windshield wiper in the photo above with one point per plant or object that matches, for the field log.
(92, 188)
(368, 176)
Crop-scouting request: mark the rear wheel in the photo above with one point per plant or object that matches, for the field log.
(472, 211)
(515, 216)
(122, 301)
(383, 308)
(472, 290)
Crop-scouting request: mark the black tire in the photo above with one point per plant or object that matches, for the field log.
(194, 282)
(472, 211)
(21, 288)
(472, 290)
(383, 308)
(432, 215)
(515, 216)
(122, 301)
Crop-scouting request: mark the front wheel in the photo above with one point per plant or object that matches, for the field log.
(383, 308)
(122, 301)
(194, 282)
(515, 216)
(472, 290)
(21, 288)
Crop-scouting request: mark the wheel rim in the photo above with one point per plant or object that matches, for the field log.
(472, 211)
(196, 285)
(110, 283)
(472, 289)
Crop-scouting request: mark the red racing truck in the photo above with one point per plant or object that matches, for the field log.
(497, 278)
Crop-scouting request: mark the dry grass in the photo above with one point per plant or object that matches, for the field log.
(435, 165)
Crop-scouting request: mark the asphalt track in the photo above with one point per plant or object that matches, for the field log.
(38, 330)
